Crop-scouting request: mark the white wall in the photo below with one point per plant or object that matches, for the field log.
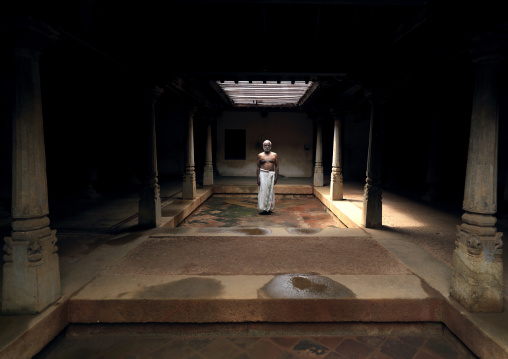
(291, 135)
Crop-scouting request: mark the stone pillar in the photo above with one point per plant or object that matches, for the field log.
(150, 200)
(31, 273)
(336, 180)
(189, 178)
(477, 272)
(91, 177)
(318, 168)
(208, 170)
(432, 176)
(372, 202)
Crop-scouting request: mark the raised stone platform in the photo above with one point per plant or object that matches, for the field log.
(283, 298)
(345, 210)
(176, 210)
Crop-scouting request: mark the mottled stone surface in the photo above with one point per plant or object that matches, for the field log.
(202, 255)
(248, 342)
(239, 211)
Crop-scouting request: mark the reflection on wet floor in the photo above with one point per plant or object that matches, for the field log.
(304, 211)
(387, 341)
(304, 286)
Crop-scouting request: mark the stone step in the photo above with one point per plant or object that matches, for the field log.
(164, 232)
(138, 298)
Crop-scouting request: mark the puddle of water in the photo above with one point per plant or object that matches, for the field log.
(304, 286)
(302, 283)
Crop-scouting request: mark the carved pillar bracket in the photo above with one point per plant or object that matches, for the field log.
(477, 282)
(149, 201)
(208, 169)
(31, 273)
(318, 167)
(372, 197)
(189, 178)
(336, 180)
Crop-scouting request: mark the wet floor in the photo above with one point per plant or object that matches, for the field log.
(434, 344)
(241, 211)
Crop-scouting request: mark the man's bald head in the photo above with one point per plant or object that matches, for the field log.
(267, 146)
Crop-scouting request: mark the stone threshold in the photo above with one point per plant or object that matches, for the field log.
(258, 231)
(254, 298)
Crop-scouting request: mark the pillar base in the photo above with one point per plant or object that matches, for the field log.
(150, 207)
(318, 176)
(208, 175)
(31, 275)
(477, 273)
(336, 186)
(432, 194)
(372, 212)
(90, 192)
(189, 186)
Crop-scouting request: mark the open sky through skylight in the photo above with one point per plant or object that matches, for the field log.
(269, 93)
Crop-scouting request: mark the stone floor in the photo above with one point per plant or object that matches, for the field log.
(96, 236)
(241, 211)
(421, 342)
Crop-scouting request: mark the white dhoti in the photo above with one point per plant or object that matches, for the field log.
(266, 197)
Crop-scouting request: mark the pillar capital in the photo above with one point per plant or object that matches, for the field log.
(338, 108)
(192, 111)
(490, 47)
(375, 97)
(26, 32)
(155, 92)
(336, 114)
(319, 120)
(149, 92)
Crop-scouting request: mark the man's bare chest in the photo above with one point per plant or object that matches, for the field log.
(267, 159)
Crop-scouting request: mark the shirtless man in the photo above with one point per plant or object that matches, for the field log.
(267, 173)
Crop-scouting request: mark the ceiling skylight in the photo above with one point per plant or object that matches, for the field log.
(265, 93)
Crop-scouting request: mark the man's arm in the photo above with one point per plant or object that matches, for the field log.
(276, 169)
(257, 172)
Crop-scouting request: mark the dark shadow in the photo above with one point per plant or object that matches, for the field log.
(189, 288)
